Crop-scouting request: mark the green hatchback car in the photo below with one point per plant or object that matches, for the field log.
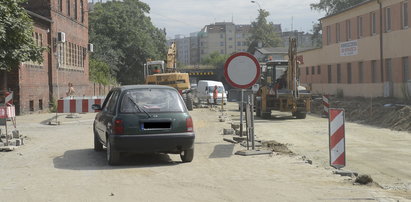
(143, 119)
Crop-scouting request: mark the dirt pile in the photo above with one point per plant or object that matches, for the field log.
(381, 112)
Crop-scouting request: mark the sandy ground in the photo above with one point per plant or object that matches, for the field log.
(382, 153)
(57, 163)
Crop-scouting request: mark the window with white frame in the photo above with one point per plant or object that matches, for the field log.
(387, 19)
(373, 19)
(404, 14)
(359, 27)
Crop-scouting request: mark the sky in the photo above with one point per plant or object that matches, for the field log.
(182, 17)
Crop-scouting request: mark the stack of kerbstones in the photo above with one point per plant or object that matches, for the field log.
(13, 140)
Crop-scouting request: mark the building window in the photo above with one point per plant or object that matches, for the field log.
(328, 35)
(307, 70)
(60, 5)
(359, 27)
(387, 19)
(349, 73)
(360, 72)
(388, 68)
(40, 104)
(404, 14)
(312, 70)
(244, 43)
(374, 71)
(230, 46)
(373, 23)
(338, 73)
(405, 69)
(221, 36)
(31, 105)
(68, 8)
(337, 32)
(81, 11)
(348, 30)
(230, 39)
(319, 69)
(238, 43)
(75, 9)
(222, 51)
(329, 74)
(221, 43)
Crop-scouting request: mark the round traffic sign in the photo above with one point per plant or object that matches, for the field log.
(242, 70)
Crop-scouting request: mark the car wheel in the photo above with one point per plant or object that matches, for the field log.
(97, 144)
(187, 155)
(113, 156)
(189, 102)
(300, 115)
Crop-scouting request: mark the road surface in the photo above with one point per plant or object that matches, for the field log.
(57, 163)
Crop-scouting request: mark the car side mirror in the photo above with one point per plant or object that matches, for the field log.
(96, 107)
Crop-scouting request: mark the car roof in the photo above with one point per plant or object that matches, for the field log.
(130, 87)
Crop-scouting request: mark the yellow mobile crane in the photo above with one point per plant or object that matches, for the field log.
(159, 73)
(280, 89)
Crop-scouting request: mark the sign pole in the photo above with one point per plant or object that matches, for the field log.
(241, 112)
(252, 121)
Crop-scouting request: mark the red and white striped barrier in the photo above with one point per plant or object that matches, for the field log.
(9, 98)
(78, 105)
(326, 104)
(337, 138)
(7, 112)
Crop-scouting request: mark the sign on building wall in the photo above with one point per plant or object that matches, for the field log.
(349, 48)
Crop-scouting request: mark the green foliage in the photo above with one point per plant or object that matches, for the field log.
(316, 38)
(125, 38)
(100, 72)
(215, 59)
(264, 32)
(16, 42)
(334, 6)
(329, 7)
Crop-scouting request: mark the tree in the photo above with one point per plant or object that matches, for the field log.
(125, 38)
(16, 42)
(215, 59)
(263, 32)
(316, 38)
(334, 6)
(329, 7)
(100, 72)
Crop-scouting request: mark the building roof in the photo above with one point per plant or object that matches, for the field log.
(349, 8)
(33, 14)
(266, 51)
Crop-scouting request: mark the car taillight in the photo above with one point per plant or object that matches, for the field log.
(118, 127)
(189, 124)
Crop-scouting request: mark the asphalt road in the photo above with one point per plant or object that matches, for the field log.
(57, 163)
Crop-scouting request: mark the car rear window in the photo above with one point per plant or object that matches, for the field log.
(151, 100)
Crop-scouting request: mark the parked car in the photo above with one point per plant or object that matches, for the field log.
(205, 89)
(143, 119)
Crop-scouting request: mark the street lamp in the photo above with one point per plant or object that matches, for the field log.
(255, 2)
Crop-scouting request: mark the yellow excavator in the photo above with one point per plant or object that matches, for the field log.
(161, 73)
(279, 87)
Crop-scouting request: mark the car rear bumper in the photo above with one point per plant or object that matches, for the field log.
(167, 143)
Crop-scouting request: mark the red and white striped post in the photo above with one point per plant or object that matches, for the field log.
(9, 98)
(326, 104)
(337, 138)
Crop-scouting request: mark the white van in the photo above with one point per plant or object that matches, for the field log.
(205, 92)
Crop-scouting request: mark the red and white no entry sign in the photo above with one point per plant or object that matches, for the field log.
(242, 70)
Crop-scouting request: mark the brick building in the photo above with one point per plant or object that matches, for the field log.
(34, 85)
(366, 52)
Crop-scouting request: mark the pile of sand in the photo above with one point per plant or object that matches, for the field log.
(381, 112)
